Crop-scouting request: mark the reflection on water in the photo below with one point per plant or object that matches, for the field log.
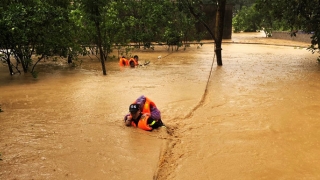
(259, 119)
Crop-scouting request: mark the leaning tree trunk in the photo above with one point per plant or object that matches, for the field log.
(219, 29)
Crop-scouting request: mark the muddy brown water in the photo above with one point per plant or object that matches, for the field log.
(257, 117)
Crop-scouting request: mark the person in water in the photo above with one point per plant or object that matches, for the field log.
(134, 62)
(123, 61)
(144, 114)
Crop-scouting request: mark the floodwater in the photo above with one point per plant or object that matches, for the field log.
(256, 117)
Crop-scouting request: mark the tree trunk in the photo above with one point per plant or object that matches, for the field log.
(219, 30)
(99, 43)
(20, 58)
(218, 53)
(39, 59)
(9, 64)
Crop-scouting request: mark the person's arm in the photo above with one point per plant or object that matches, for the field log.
(127, 120)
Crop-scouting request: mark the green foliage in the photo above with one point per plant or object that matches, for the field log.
(239, 4)
(34, 74)
(293, 15)
(247, 20)
(32, 27)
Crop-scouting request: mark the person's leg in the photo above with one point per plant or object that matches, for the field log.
(160, 122)
(157, 124)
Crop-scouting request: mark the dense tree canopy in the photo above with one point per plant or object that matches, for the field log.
(29, 28)
(247, 20)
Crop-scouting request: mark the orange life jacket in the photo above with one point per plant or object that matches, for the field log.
(134, 61)
(146, 107)
(142, 123)
(123, 62)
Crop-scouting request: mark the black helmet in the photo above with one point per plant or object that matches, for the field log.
(133, 108)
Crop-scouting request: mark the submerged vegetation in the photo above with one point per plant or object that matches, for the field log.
(33, 30)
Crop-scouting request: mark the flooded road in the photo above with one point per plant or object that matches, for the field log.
(256, 117)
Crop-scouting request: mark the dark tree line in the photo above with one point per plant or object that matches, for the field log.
(32, 30)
